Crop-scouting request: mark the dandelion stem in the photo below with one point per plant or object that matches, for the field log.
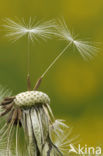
(49, 67)
(38, 83)
(28, 57)
(55, 60)
(28, 82)
(28, 66)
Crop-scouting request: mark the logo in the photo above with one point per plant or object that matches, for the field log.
(85, 150)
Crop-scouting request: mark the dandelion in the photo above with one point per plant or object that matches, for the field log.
(29, 112)
(27, 117)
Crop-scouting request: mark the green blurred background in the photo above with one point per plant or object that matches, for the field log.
(74, 86)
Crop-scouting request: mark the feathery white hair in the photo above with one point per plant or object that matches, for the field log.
(85, 48)
(34, 29)
(61, 136)
(4, 92)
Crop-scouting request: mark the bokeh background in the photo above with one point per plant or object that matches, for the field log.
(74, 85)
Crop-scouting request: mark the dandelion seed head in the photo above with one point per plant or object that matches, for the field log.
(33, 121)
(36, 121)
(30, 98)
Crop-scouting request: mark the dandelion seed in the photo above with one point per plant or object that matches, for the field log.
(85, 48)
(34, 30)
